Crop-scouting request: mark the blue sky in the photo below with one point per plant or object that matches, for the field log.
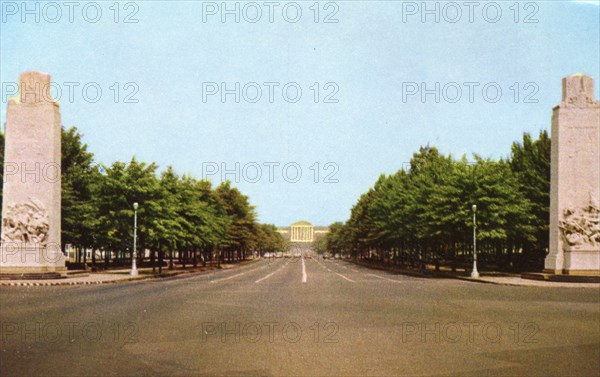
(370, 55)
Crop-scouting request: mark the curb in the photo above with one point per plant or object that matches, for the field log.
(438, 275)
(31, 284)
(73, 283)
(465, 278)
(492, 282)
(549, 285)
(16, 283)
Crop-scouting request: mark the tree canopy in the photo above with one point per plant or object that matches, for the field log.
(425, 213)
(176, 213)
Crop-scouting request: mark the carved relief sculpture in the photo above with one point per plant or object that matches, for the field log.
(580, 227)
(26, 223)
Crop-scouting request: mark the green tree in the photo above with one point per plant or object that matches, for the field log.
(79, 180)
(122, 185)
(241, 235)
(530, 162)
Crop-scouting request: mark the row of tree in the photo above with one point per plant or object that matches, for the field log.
(425, 215)
(178, 216)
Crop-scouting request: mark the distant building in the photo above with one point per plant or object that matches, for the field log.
(303, 232)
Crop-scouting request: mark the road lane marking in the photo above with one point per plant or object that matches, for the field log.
(269, 275)
(208, 276)
(381, 277)
(230, 277)
(340, 275)
(240, 274)
(260, 267)
(350, 280)
(303, 271)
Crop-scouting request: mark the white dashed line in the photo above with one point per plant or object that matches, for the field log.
(350, 280)
(340, 275)
(381, 277)
(230, 277)
(304, 277)
(240, 274)
(269, 275)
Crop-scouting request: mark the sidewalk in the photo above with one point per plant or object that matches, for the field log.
(118, 276)
(518, 281)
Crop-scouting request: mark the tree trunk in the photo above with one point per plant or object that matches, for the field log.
(153, 260)
(160, 260)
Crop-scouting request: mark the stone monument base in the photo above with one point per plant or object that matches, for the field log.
(573, 272)
(579, 262)
(33, 276)
(561, 278)
(31, 269)
(30, 259)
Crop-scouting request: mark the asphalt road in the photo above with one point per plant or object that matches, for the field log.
(286, 317)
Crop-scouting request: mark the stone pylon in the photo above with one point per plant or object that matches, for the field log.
(32, 188)
(575, 181)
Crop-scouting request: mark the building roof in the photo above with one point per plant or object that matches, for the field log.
(302, 222)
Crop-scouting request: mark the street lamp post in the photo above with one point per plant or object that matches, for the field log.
(474, 273)
(134, 271)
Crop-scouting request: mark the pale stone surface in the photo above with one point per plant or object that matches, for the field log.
(32, 189)
(302, 231)
(575, 181)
